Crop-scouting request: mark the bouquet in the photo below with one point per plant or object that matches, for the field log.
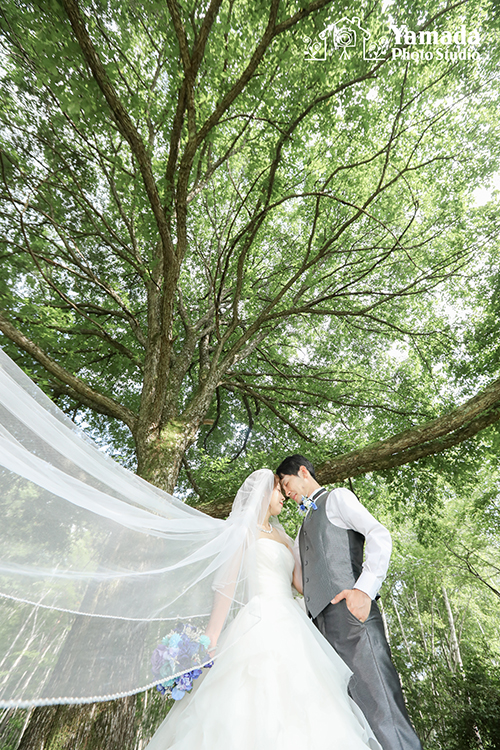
(180, 649)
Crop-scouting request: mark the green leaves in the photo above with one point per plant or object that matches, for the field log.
(318, 235)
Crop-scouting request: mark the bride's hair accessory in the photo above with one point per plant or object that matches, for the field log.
(307, 504)
(182, 648)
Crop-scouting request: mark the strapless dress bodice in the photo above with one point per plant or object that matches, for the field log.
(275, 566)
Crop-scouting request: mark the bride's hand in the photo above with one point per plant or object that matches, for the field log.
(358, 603)
(213, 642)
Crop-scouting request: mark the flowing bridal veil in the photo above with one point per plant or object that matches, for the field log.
(96, 564)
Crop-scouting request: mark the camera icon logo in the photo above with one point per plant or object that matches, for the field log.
(344, 34)
(343, 37)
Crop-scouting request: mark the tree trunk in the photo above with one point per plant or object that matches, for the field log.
(456, 656)
(159, 457)
(386, 624)
(401, 627)
(95, 726)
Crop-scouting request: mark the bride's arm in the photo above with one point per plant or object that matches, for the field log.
(218, 617)
(297, 571)
(224, 589)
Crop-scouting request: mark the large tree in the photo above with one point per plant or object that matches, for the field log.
(200, 225)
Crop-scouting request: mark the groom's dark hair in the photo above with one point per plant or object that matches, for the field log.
(292, 464)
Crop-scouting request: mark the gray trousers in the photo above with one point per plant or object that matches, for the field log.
(375, 684)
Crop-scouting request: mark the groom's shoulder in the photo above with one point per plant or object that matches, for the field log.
(341, 500)
(342, 494)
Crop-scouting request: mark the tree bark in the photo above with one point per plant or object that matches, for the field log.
(160, 456)
(95, 726)
(456, 656)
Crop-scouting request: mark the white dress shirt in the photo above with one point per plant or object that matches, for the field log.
(343, 509)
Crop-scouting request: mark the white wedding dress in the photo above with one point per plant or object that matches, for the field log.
(280, 686)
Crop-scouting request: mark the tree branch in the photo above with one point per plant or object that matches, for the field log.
(430, 438)
(89, 396)
(123, 121)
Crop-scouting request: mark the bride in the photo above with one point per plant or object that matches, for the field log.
(277, 684)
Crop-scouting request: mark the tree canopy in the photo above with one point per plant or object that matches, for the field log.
(210, 240)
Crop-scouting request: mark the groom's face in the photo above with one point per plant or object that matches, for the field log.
(296, 486)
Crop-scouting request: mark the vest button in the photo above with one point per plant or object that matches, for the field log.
(307, 547)
(307, 580)
(305, 562)
(308, 598)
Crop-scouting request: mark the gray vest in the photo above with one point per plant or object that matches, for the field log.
(331, 557)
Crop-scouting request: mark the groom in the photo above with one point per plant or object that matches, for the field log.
(340, 591)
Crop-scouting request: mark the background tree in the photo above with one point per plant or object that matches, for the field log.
(441, 604)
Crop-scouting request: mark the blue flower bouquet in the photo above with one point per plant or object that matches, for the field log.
(181, 649)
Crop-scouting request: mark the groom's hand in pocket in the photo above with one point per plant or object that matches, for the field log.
(358, 603)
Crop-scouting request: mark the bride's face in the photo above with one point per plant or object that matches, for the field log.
(276, 502)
